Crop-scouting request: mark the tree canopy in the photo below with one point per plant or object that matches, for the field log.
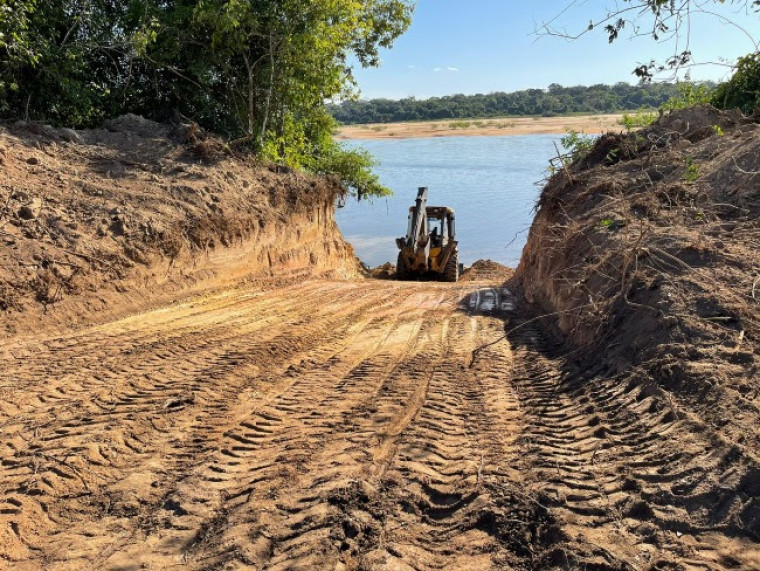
(259, 70)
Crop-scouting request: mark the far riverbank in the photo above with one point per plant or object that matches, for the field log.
(591, 124)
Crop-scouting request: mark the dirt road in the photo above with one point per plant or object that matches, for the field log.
(344, 425)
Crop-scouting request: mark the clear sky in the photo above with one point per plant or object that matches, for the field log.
(480, 46)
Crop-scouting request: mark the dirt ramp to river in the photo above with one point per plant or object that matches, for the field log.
(104, 221)
(644, 258)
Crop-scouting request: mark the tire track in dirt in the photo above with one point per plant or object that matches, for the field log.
(310, 454)
(71, 453)
(363, 450)
(636, 483)
(351, 425)
(394, 469)
(449, 494)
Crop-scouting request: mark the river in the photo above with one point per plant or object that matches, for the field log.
(492, 183)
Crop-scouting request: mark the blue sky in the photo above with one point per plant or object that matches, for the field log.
(480, 46)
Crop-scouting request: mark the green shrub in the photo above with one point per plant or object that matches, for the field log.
(353, 167)
(688, 95)
(639, 119)
(577, 145)
(691, 172)
(742, 91)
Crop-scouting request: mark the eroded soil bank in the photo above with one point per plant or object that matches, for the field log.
(644, 258)
(97, 223)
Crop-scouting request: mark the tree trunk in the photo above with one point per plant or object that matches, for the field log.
(251, 95)
(268, 101)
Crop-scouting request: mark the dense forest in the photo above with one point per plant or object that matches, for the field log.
(556, 100)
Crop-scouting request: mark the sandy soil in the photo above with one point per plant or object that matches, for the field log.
(99, 222)
(644, 256)
(329, 421)
(342, 425)
(591, 124)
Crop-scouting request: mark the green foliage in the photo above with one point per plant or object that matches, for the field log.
(691, 172)
(16, 49)
(718, 130)
(242, 68)
(742, 91)
(463, 124)
(556, 100)
(689, 94)
(611, 224)
(577, 145)
(67, 62)
(353, 167)
(637, 120)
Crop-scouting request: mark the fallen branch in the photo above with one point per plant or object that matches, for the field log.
(506, 334)
(741, 170)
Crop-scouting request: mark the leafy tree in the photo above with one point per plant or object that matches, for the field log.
(16, 49)
(258, 71)
(353, 167)
(742, 91)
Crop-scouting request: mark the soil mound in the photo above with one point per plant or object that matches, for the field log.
(144, 209)
(486, 270)
(646, 253)
(385, 272)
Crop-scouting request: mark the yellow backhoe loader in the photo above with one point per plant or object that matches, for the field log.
(429, 247)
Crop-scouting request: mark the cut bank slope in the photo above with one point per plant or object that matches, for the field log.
(644, 258)
(98, 222)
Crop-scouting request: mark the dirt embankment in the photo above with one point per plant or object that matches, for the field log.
(104, 221)
(644, 256)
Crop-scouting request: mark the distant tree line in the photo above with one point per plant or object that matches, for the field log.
(556, 100)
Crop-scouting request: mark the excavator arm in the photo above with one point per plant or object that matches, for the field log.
(417, 233)
(419, 236)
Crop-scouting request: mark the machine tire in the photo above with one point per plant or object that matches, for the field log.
(401, 271)
(451, 271)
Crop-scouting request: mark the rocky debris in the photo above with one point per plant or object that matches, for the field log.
(71, 136)
(31, 210)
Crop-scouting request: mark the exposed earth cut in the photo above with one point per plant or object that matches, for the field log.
(208, 382)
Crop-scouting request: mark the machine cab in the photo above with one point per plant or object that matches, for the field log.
(441, 228)
(430, 245)
(438, 227)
